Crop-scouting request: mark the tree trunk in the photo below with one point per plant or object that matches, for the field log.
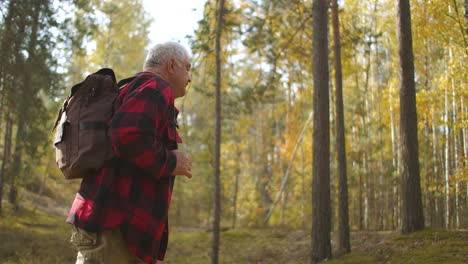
(236, 187)
(217, 151)
(24, 96)
(466, 16)
(16, 166)
(455, 150)
(365, 186)
(396, 153)
(447, 161)
(303, 188)
(343, 212)
(412, 212)
(435, 220)
(6, 154)
(462, 158)
(321, 211)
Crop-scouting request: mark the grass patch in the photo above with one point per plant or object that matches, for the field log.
(430, 246)
(239, 246)
(29, 236)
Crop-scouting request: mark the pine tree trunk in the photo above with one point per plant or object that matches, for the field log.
(303, 187)
(466, 16)
(368, 173)
(412, 212)
(343, 212)
(455, 152)
(217, 152)
(463, 157)
(6, 154)
(24, 96)
(365, 186)
(395, 165)
(447, 161)
(321, 212)
(427, 172)
(435, 168)
(15, 170)
(7, 36)
(236, 188)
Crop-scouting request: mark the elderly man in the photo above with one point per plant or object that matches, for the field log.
(120, 213)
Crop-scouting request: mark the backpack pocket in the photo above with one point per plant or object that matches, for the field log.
(62, 143)
(94, 144)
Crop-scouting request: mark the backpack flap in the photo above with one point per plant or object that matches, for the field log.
(59, 134)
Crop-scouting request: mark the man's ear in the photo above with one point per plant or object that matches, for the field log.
(170, 65)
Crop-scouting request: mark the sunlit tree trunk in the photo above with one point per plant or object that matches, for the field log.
(395, 166)
(436, 221)
(427, 194)
(303, 187)
(368, 172)
(236, 187)
(365, 186)
(455, 155)
(343, 212)
(447, 161)
(321, 211)
(463, 154)
(412, 211)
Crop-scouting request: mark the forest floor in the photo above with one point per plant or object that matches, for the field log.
(33, 236)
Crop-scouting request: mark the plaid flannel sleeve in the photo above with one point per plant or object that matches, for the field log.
(134, 131)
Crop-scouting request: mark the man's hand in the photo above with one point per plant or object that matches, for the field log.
(183, 165)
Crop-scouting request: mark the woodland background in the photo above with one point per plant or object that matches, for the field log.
(267, 94)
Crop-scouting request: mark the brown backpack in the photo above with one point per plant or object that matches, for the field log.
(81, 139)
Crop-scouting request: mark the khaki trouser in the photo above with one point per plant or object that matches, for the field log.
(106, 247)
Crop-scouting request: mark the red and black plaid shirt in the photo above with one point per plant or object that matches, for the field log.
(133, 191)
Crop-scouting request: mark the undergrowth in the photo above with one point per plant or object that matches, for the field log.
(33, 236)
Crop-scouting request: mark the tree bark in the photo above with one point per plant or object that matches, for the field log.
(447, 160)
(466, 16)
(412, 212)
(343, 211)
(236, 187)
(217, 151)
(435, 219)
(24, 97)
(6, 154)
(321, 211)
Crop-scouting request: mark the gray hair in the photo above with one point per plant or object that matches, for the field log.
(161, 53)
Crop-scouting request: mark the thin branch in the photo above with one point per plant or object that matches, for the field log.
(286, 174)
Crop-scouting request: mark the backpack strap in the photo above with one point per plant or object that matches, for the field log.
(61, 111)
(125, 81)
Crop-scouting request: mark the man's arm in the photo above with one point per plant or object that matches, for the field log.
(132, 133)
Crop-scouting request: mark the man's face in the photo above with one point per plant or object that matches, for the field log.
(181, 77)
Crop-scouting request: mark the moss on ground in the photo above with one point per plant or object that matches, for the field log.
(430, 246)
(30, 236)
